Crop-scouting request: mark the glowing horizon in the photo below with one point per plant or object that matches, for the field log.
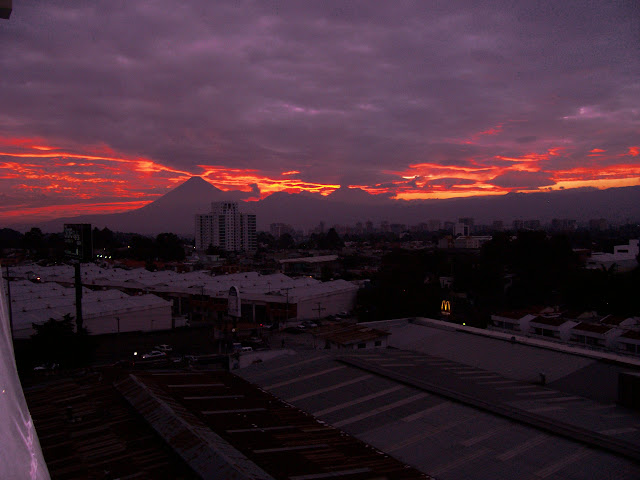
(103, 181)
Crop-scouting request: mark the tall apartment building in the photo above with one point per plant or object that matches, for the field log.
(227, 228)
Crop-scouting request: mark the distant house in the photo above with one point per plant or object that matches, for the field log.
(592, 334)
(617, 321)
(629, 342)
(557, 328)
(623, 258)
(516, 322)
(349, 337)
(312, 266)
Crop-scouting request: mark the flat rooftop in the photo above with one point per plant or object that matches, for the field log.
(446, 429)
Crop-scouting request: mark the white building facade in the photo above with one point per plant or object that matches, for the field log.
(225, 227)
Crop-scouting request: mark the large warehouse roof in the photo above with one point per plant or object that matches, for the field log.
(199, 282)
(453, 431)
(38, 302)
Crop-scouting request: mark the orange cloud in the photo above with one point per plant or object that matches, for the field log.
(91, 179)
(17, 213)
(241, 179)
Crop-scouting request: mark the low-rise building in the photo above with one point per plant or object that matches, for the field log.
(516, 322)
(629, 342)
(103, 311)
(312, 266)
(592, 335)
(623, 258)
(557, 328)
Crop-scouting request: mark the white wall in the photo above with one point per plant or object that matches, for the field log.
(20, 454)
(334, 303)
(156, 318)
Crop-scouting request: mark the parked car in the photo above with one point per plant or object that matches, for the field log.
(164, 348)
(46, 367)
(153, 354)
(293, 330)
(247, 349)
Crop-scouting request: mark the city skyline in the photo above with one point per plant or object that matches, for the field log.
(106, 107)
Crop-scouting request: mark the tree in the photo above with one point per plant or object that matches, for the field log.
(211, 250)
(169, 247)
(33, 240)
(286, 241)
(142, 248)
(331, 241)
(400, 288)
(55, 341)
(10, 238)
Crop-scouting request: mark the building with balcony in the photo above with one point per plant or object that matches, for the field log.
(227, 228)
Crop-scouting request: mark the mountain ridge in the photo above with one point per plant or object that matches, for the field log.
(175, 210)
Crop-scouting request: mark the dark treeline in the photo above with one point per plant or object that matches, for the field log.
(530, 270)
(50, 246)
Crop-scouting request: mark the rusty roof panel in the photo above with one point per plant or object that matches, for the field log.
(282, 440)
(207, 453)
(87, 430)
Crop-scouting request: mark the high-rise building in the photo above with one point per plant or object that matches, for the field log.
(461, 229)
(225, 227)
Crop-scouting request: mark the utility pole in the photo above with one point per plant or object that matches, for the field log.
(319, 309)
(286, 313)
(78, 285)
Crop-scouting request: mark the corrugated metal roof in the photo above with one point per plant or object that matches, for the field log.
(446, 438)
(278, 438)
(87, 430)
(198, 282)
(348, 334)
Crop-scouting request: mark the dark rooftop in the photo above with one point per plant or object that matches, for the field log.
(517, 314)
(631, 334)
(551, 321)
(348, 334)
(87, 430)
(613, 320)
(592, 327)
(277, 438)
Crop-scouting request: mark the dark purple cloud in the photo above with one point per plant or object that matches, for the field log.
(523, 180)
(343, 93)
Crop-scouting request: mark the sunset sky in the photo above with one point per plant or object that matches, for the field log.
(106, 105)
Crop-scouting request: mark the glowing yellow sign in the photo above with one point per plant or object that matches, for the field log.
(445, 307)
